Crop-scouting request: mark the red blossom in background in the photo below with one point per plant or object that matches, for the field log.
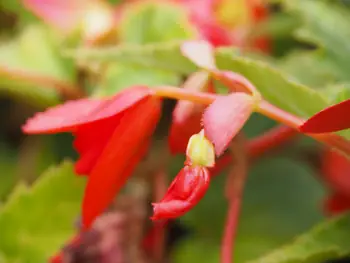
(336, 173)
(94, 18)
(206, 15)
(331, 119)
(112, 136)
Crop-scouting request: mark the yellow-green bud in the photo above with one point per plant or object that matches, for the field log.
(200, 151)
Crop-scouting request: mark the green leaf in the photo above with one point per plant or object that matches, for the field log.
(276, 87)
(154, 22)
(120, 76)
(36, 221)
(8, 163)
(326, 241)
(310, 68)
(36, 52)
(331, 32)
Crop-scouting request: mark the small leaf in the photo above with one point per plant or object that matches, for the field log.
(331, 119)
(225, 117)
(36, 221)
(326, 241)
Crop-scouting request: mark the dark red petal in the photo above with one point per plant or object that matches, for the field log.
(69, 116)
(225, 117)
(336, 204)
(331, 119)
(336, 171)
(111, 170)
(187, 189)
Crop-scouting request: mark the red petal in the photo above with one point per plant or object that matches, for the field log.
(67, 117)
(200, 53)
(336, 170)
(225, 117)
(90, 141)
(111, 170)
(331, 119)
(336, 204)
(187, 189)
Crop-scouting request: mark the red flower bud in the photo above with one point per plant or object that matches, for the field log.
(184, 193)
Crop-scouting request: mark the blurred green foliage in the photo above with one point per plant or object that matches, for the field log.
(307, 70)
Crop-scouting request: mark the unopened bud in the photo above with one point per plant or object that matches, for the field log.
(200, 151)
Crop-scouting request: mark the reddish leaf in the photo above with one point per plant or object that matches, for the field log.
(123, 149)
(225, 117)
(187, 189)
(69, 116)
(331, 119)
(200, 53)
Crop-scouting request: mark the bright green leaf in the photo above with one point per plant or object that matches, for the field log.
(36, 221)
(328, 240)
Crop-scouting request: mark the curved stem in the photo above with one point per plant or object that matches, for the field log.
(234, 191)
(66, 89)
(265, 108)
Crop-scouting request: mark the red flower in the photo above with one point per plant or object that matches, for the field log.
(184, 193)
(111, 137)
(336, 170)
(206, 16)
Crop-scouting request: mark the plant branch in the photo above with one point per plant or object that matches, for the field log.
(258, 146)
(234, 191)
(65, 89)
(265, 108)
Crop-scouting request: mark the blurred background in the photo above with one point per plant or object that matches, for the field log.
(286, 193)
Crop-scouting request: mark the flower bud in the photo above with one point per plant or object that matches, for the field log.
(187, 189)
(200, 151)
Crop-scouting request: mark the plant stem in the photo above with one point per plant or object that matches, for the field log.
(330, 139)
(234, 191)
(258, 146)
(265, 108)
(65, 89)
